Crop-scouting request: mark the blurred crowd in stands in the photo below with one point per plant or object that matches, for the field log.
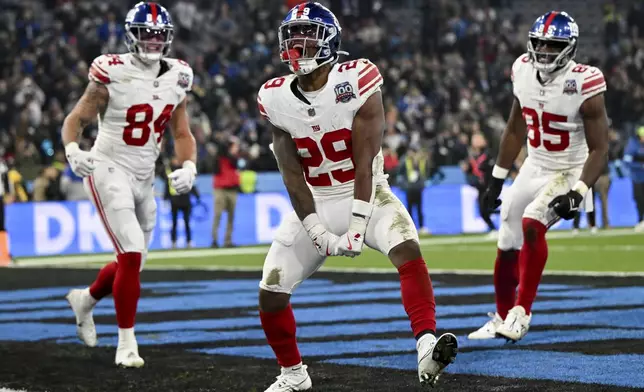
(446, 66)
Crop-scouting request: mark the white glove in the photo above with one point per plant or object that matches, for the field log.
(323, 239)
(350, 244)
(82, 162)
(183, 179)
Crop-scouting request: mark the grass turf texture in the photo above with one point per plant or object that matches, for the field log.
(615, 250)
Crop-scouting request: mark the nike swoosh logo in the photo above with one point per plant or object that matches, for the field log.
(349, 242)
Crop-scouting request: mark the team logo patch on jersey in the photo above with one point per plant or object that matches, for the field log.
(184, 80)
(344, 92)
(570, 87)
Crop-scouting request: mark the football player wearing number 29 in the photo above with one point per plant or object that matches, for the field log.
(559, 106)
(134, 95)
(327, 124)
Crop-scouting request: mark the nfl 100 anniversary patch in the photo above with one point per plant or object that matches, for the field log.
(343, 92)
(184, 80)
(570, 87)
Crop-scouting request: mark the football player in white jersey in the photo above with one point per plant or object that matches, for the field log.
(134, 96)
(559, 106)
(328, 122)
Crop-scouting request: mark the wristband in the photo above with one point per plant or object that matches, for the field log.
(71, 148)
(362, 208)
(311, 221)
(499, 172)
(190, 165)
(580, 187)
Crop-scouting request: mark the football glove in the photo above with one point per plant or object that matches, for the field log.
(350, 244)
(183, 179)
(323, 239)
(567, 206)
(491, 199)
(82, 162)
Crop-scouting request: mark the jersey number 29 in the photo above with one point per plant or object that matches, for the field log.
(535, 137)
(316, 158)
(144, 123)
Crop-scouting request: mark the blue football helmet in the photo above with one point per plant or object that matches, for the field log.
(309, 37)
(148, 31)
(553, 30)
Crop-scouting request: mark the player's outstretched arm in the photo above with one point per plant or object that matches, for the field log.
(288, 161)
(185, 148)
(89, 106)
(366, 140)
(512, 141)
(513, 138)
(185, 145)
(593, 112)
(92, 103)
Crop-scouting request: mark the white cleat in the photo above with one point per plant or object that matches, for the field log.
(639, 228)
(492, 235)
(434, 355)
(594, 230)
(127, 351)
(82, 304)
(516, 324)
(128, 358)
(575, 232)
(295, 378)
(488, 330)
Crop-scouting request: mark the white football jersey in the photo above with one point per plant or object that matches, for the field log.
(556, 138)
(322, 129)
(139, 107)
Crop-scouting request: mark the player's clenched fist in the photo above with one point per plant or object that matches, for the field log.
(323, 239)
(350, 244)
(567, 206)
(82, 162)
(183, 179)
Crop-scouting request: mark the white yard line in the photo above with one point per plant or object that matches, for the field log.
(256, 250)
(11, 390)
(349, 270)
(73, 260)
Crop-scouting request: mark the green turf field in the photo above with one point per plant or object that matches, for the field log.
(618, 250)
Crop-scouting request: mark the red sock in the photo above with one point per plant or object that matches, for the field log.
(127, 288)
(532, 261)
(506, 280)
(102, 286)
(279, 328)
(418, 296)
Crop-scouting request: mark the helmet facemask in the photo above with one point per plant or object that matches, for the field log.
(149, 43)
(550, 54)
(305, 45)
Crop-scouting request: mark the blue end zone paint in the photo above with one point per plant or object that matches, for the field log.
(347, 328)
(619, 370)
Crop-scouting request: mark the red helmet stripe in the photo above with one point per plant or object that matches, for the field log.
(153, 8)
(300, 10)
(551, 17)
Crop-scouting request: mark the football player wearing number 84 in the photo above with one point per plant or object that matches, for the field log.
(559, 107)
(327, 123)
(134, 96)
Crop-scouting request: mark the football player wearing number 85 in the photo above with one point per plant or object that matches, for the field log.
(327, 124)
(134, 96)
(559, 107)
